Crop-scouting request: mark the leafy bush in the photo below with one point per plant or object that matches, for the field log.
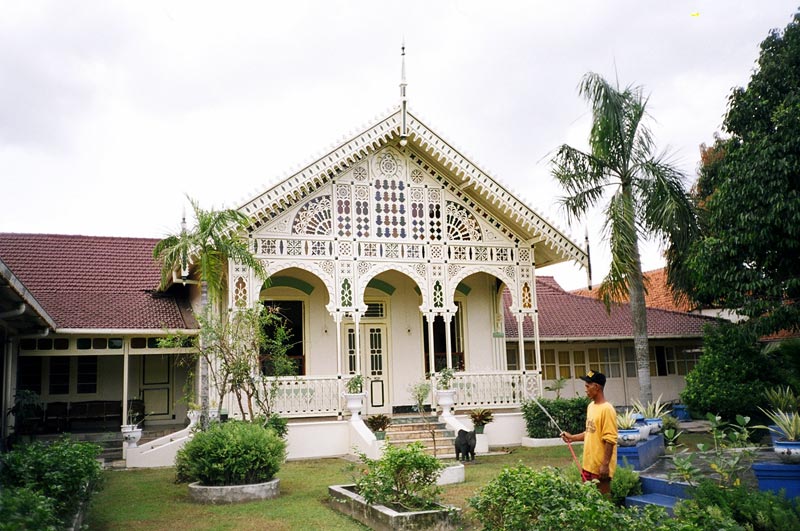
(231, 453)
(570, 413)
(404, 476)
(65, 471)
(730, 374)
(625, 483)
(277, 423)
(22, 508)
(521, 498)
(752, 509)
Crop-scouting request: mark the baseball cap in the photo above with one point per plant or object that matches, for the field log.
(595, 377)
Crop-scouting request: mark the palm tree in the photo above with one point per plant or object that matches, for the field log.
(646, 197)
(214, 239)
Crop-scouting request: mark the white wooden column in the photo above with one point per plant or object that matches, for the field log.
(521, 340)
(125, 365)
(448, 317)
(431, 357)
(357, 325)
(536, 346)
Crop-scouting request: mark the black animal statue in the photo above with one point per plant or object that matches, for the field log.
(465, 445)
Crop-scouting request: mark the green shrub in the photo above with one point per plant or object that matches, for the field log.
(521, 498)
(231, 453)
(65, 471)
(570, 413)
(277, 423)
(731, 375)
(752, 509)
(404, 476)
(625, 483)
(22, 508)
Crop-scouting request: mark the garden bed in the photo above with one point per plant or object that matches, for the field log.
(380, 517)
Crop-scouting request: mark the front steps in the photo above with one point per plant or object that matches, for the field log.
(657, 490)
(408, 429)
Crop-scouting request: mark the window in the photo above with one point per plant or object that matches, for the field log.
(87, 374)
(59, 376)
(549, 364)
(681, 361)
(630, 363)
(292, 314)
(29, 374)
(564, 369)
(658, 360)
(607, 360)
(512, 357)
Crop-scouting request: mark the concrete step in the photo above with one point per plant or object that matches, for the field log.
(662, 485)
(662, 500)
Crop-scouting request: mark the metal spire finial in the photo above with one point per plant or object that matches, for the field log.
(403, 100)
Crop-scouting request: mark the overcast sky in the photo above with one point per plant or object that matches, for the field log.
(111, 112)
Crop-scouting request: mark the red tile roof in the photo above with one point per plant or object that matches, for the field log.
(658, 295)
(564, 315)
(93, 281)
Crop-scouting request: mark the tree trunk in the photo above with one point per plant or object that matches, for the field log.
(639, 314)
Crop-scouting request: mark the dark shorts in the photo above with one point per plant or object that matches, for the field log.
(603, 483)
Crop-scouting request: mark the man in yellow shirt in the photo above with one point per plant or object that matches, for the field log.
(600, 437)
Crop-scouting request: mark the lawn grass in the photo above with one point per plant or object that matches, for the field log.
(150, 499)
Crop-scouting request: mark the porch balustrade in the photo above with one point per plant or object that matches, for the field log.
(320, 396)
(500, 389)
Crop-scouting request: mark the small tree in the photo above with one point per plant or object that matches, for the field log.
(420, 392)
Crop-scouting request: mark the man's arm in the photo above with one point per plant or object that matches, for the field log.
(608, 450)
(568, 437)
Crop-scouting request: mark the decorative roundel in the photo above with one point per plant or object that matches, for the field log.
(388, 164)
(360, 173)
(416, 176)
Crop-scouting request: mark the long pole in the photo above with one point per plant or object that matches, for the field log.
(560, 431)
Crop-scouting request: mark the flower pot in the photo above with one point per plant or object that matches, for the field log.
(479, 429)
(644, 432)
(194, 416)
(354, 403)
(655, 424)
(788, 451)
(446, 398)
(380, 435)
(131, 433)
(628, 437)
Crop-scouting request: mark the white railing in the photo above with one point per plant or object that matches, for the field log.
(307, 396)
(493, 389)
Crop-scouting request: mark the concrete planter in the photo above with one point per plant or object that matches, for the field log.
(451, 474)
(382, 518)
(234, 493)
(530, 442)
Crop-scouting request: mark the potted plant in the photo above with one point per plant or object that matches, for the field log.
(787, 427)
(653, 413)
(378, 424)
(627, 433)
(354, 394)
(781, 399)
(480, 417)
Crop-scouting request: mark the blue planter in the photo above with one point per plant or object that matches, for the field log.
(775, 433)
(643, 454)
(777, 476)
(681, 412)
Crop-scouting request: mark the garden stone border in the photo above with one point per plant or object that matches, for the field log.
(234, 493)
(382, 518)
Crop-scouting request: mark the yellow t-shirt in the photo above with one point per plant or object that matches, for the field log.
(601, 425)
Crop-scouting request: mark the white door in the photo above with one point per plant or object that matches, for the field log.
(374, 364)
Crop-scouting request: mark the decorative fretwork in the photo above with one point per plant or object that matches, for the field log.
(345, 248)
(347, 293)
(527, 299)
(240, 292)
(510, 271)
(327, 266)
(480, 253)
(387, 163)
(436, 270)
(436, 252)
(390, 208)
(416, 176)
(525, 256)
(294, 248)
(461, 224)
(392, 250)
(369, 249)
(434, 215)
(417, 213)
(360, 174)
(363, 268)
(438, 295)
(453, 269)
(422, 269)
(344, 223)
(314, 217)
(318, 248)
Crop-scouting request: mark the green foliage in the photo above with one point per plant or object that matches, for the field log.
(231, 453)
(403, 476)
(378, 422)
(355, 384)
(788, 424)
(783, 399)
(625, 483)
(23, 508)
(730, 456)
(653, 409)
(278, 424)
(729, 374)
(521, 498)
(208, 245)
(569, 413)
(626, 420)
(749, 197)
(65, 471)
(444, 379)
(693, 515)
(481, 416)
(752, 509)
